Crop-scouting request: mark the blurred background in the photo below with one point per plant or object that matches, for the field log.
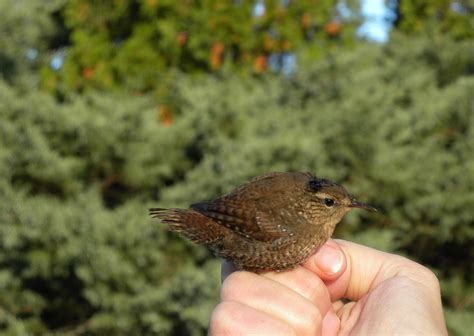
(110, 107)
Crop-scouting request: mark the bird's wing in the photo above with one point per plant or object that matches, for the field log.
(255, 210)
(242, 219)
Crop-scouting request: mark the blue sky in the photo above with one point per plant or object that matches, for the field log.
(376, 27)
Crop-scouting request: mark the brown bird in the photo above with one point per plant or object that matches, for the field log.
(273, 222)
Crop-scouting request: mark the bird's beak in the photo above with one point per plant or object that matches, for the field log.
(361, 205)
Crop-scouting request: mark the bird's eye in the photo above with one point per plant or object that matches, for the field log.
(329, 202)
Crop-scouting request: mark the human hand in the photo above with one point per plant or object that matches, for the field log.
(389, 295)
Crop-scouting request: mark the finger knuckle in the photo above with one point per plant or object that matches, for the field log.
(430, 278)
(234, 285)
(309, 322)
(221, 321)
(316, 290)
(419, 273)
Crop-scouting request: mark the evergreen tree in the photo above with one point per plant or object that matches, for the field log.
(139, 45)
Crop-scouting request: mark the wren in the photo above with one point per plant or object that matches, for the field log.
(273, 222)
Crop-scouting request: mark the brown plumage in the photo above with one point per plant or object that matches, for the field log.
(273, 222)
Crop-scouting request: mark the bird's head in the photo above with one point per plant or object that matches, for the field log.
(329, 202)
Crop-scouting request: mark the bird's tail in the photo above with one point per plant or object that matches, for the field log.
(191, 224)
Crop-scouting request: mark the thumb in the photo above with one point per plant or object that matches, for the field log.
(329, 261)
(361, 269)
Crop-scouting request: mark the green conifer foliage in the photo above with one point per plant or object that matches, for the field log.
(77, 250)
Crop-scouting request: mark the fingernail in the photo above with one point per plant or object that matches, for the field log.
(331, 324)
(329, 259)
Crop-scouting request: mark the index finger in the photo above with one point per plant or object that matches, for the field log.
(299, 279)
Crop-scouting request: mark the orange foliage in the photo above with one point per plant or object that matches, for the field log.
(216, 55)
(181, 39)
(332, 28)
(83, 11)
(306, 20)
(164, 115)
(88, 73)
(260, 64)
